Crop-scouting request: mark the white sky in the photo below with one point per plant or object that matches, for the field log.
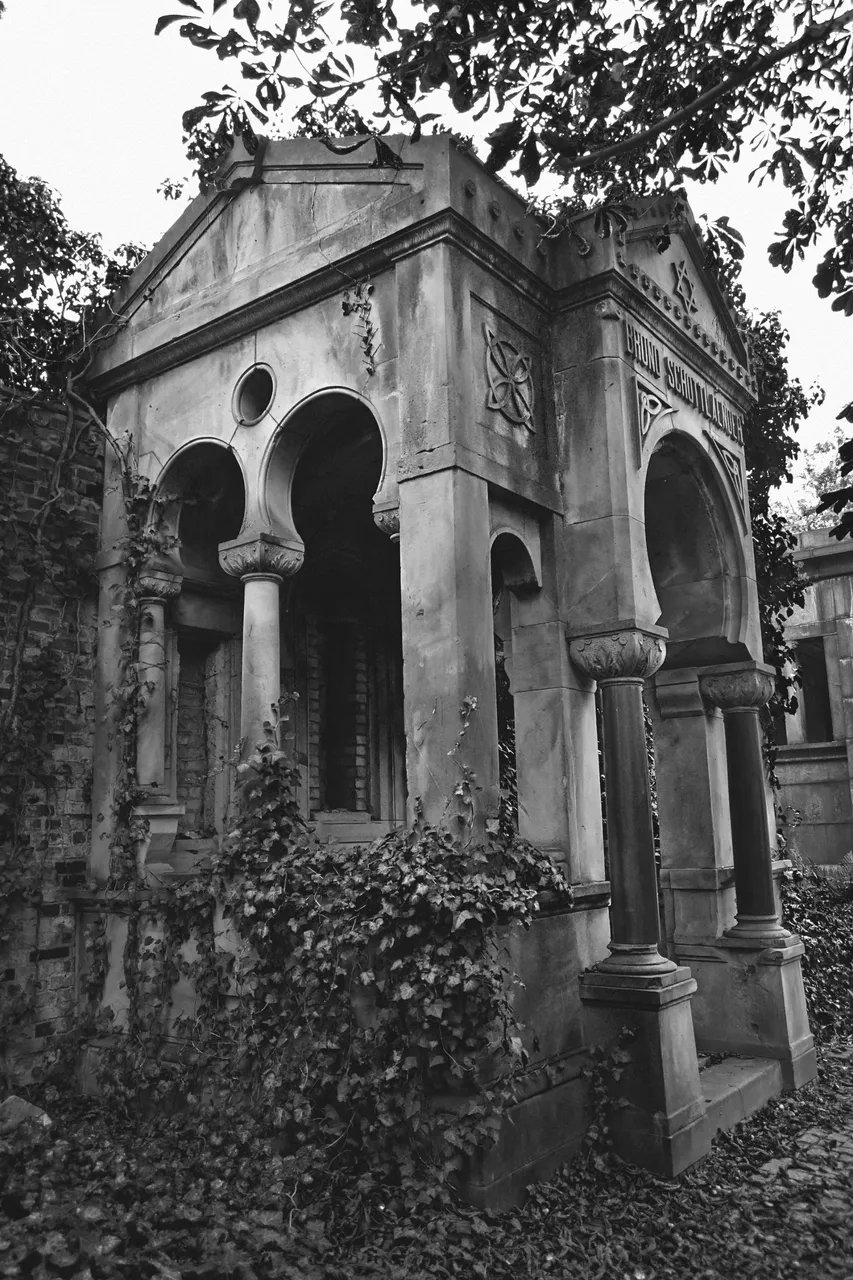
(91, 101)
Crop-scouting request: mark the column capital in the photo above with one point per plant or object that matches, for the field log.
(387, 521)
(266, 553)
(619, 655)
(158, 584)
(739, 688)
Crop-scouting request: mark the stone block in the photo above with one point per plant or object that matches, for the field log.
(751, 1002)
(537, 1136)
(660, 1123)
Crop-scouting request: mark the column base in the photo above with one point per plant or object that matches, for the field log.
(757, 931)
(153, 852)
(750, 1001)
(645, 961)
(659, 1122)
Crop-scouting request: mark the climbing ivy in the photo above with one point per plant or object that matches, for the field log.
(357, 1002)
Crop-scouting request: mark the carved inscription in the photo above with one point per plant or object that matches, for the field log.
(683, 383)
(644, 351)
(703, 399)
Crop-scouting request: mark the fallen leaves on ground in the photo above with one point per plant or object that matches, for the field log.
(98, 1195)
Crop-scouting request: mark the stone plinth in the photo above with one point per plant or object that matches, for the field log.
(660, 1124)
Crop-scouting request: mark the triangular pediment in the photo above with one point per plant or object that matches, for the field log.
(664, 254)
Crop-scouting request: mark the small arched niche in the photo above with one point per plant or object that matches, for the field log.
(512, 571)
(341, 632)
(695, 557)
(206, 504)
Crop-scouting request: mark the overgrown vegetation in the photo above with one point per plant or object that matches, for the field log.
(163, 1196)
(821, 912)
(357, 1003)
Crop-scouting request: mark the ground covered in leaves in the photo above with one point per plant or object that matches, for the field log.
(103, 1195)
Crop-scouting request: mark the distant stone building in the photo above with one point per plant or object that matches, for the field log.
(815, 761)
(390, 422)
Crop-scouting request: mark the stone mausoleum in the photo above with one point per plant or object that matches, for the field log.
(815, 756)
(400, 432)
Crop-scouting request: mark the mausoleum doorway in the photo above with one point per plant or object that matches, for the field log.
(341, 645)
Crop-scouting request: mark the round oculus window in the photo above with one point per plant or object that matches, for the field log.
(253, 395)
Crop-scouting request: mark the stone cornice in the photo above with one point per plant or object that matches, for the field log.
(612, 284)
(448, 226)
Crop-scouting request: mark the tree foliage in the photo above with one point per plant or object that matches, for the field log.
(610, 100)
(52, 279)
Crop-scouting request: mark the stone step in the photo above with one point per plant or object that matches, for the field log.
(736, 1087)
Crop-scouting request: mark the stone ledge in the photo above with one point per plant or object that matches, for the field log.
(737, 1087)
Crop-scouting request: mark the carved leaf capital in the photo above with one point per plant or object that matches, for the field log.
(157, 585)
(264, 553)
(618, 655)
(735, 690)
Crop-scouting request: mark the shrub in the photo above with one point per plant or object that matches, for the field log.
(821, 912)
(373, 1030)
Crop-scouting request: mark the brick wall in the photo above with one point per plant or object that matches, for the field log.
(51, 834)
(191, 745)
(338, 716)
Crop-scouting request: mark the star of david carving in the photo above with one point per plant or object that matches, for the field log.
(685, 289)
(510, 378)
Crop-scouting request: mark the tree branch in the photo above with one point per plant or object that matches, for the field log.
(811, 36)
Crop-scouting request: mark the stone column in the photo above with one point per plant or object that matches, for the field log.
(752, 999)
(661, 1121)
(620, 662)
(156, 589)
(739, 694)
(260, 561)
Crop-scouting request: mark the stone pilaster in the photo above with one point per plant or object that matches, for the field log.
(448, 648)
(620, 662)
(697, 873)
(260, 561)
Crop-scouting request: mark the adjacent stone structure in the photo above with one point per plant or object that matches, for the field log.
(541, 441)
(815, 760)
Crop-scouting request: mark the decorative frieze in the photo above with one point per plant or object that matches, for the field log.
(681, 305)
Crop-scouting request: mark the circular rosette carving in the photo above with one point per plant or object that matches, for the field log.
(737, 690)
(618, 655)
(510, 378)
(264, 554)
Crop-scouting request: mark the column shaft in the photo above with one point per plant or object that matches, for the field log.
(261, 676)
(750, 835)
(635, 920)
